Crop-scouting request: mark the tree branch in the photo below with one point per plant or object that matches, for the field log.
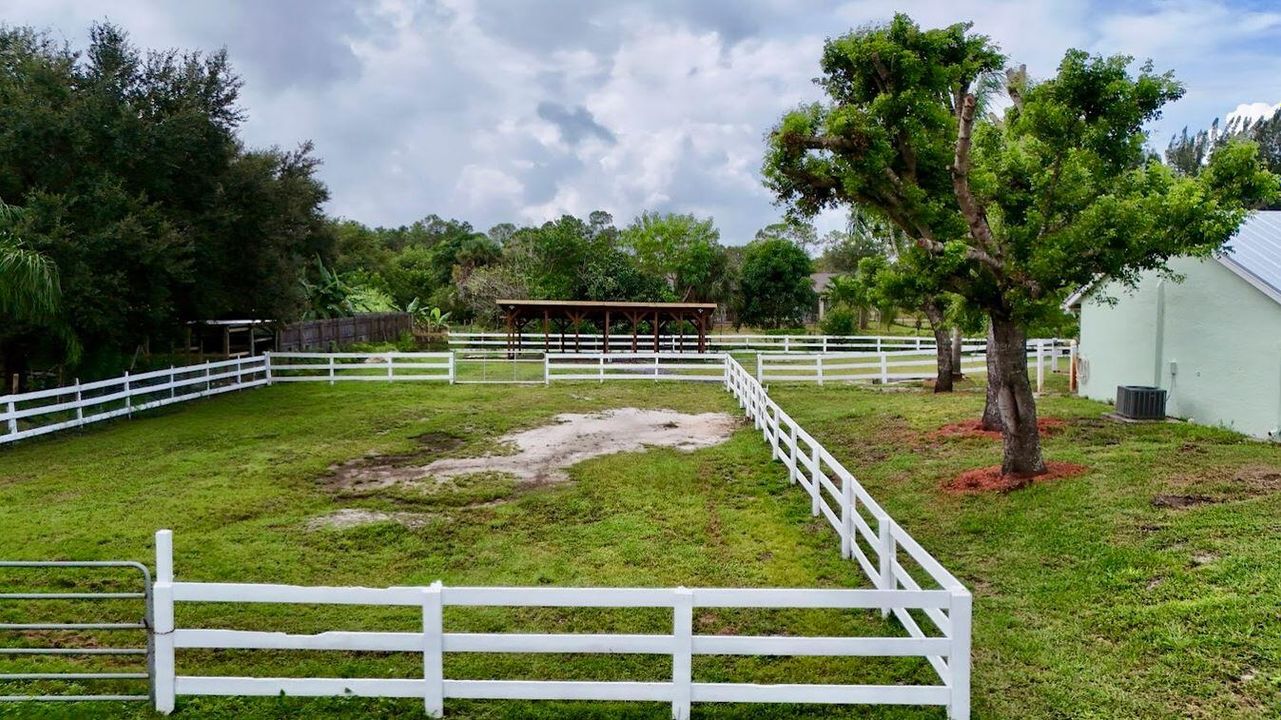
(974, 214)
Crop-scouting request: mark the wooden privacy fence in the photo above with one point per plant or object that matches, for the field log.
(329, 333)
(633, 366)
(44, 411)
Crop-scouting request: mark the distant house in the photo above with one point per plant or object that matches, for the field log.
(821, 282)
(1213, 341)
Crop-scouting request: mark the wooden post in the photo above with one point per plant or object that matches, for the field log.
(605, 339)
(656, 323)
(1072, 360)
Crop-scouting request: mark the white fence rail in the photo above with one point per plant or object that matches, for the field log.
(594, 342)
(44, 411)
(702, 367)
(385, 366)
(897, 366)
(682, 644)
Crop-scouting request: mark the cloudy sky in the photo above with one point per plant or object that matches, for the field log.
(498, 111)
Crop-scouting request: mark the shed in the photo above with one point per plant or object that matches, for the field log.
(1211, 338)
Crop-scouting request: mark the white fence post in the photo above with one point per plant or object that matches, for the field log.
(878, 343)
(390, 367)
(958, 663)
(886, 580)
(823, 344)
(451, 369)
(1040, 366)
(818, 367)
(791, 455)
(128, 396)
(547, 369)
(682, 652)
(434, 650)
(815, 486)
(266, 365)
(760, 376)
(13, 421)
(847, 517)
(774, 432)
(601, 366)
(655, 368)
(787, 343)
(162, 625)
(885, 365)
(80, 408)
(331, 369)
(1054, 355)
(172, 379)
(208, 385)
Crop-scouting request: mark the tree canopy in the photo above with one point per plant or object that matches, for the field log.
(1011, 211)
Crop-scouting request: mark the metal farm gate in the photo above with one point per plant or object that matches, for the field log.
(75, 631)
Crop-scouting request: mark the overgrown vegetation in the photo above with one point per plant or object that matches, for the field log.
(1142, 589)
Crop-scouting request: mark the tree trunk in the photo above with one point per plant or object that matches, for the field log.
(942, 346)
(1022, 439)
(956, 354)
(991, 411)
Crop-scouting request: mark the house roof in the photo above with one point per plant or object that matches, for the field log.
(1254, 254)
(821, 280)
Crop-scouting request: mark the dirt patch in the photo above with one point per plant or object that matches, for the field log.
(438, 442)
(543, 453)
(973, 429)
(1218, 485)
(990, 479)
(1178, 502)
(355, 517)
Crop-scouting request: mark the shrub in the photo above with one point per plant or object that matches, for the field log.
(839, 320)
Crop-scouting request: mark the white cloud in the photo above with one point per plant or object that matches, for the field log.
(419, 107)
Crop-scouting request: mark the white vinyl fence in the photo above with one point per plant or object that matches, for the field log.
(384, 366)
(594, 342)
(897, 366)
(634, 366)
(44, 411)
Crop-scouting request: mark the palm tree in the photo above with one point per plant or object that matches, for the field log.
(29, 287)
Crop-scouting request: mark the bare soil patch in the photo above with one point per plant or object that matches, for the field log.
(1179, 502)
(973, 429)
(990, 479)
(543, 453)
(354, 517)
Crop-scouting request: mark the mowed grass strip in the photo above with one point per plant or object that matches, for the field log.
(239, 480)
(1149, 587)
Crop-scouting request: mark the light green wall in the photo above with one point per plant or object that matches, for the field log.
(1222, 335)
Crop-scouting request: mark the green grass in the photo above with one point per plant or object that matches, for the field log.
(1089, 601)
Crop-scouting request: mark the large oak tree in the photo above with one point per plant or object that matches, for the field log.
(1012, 211)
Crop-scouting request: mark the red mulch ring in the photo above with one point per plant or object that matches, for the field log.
(972, 429)
(990, 479)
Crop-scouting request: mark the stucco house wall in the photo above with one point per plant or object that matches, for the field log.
(1213, 341)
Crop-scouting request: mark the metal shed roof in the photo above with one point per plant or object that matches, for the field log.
(1255, 252)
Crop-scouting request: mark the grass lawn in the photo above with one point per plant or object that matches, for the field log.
(1089, 601)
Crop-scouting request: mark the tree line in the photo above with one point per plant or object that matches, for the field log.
(129, 207)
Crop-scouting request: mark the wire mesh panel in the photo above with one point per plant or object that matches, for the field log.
(75, 631)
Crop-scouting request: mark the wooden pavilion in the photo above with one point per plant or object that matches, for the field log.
(565, 319)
